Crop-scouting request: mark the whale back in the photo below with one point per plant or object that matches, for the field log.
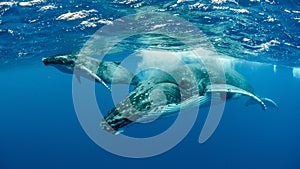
(202, 76)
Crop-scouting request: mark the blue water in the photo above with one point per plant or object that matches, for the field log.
(38, 124)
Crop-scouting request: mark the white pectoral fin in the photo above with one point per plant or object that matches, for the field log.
(170, 110)
(92, 74)
(194, 101)
(232, 89)
(268, 102)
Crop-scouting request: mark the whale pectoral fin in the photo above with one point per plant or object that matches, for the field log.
(195, 101)
(267, 101)
(270, 102)
(235, 90)
(89, 72)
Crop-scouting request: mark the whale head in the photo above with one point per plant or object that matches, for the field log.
(64, 63)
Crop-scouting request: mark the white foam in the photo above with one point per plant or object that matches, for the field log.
(31, 3)
(38, 1)
(296, 11)
(223, 1)
(270, 19)
(270, 2)
(127, 2)
(275, 68)
(92, 22)
(196, 6)
(246, 39)
(180, 1)
(7, 3)
(10, 31)
(25, 4)
(104, 21)
(231, 9)
(297, 19)
(32, 21)
(218, 1)
(296, 72)
(47, 7)
(221, 7)
(88, 24)
(289, 11)
(75, 15)
(265, 46)
(239, 10)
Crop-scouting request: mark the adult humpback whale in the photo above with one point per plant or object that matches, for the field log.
(179, 91)
(163, 94)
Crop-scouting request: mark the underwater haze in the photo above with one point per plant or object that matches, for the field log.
(39, 127)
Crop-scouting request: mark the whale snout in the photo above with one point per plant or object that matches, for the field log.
(63, 63)
(45, 61)
(67, 60)
(51, 60)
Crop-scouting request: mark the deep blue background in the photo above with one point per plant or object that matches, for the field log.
(39, 128)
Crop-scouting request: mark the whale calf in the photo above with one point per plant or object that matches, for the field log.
(103, 72)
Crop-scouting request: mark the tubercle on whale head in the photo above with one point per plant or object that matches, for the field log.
(118, 118)
(105, 126)
(64, 63)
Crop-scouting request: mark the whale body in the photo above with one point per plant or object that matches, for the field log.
(178, 92)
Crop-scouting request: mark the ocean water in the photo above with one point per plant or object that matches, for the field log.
(38, 123)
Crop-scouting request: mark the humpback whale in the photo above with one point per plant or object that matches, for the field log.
(179, 92)
(103, 72)
(163, 94)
